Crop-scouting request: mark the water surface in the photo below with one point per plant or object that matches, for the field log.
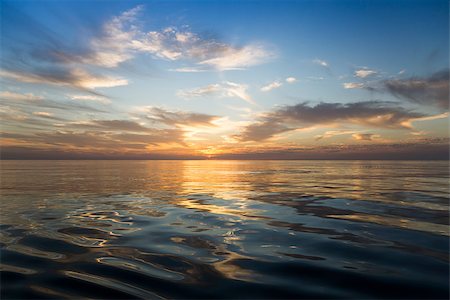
(224, 229)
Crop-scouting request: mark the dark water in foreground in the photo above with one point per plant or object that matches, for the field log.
(224, 229)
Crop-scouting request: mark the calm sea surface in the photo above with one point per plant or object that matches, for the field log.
(224, 229)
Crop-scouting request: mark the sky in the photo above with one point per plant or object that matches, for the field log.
(224, 79)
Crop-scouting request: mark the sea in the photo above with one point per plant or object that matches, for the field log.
(211, 229)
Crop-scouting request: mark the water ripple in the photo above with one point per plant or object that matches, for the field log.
(225, 230)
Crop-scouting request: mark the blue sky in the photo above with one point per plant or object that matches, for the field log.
(232, 77)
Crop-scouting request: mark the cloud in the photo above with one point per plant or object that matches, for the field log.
(291, 79)
(42, 114)
(419, 133)
(332, 133)
(365, 136)
(188, 70)
(364, 72)
(94, 98)
(238, 90)
(177, 118)
(226, 89)
(352, 85)
(116, 44)
(77, 78)
(370, 114)
(35, 54)
(45, 58)
(111, 125)
(84, 79)
(102, 140)
(122, 39)
(321, 62)
(31, 102)
(231, 58)
(271, 86)
(262, 130)
(101, 137)
(18, 96)
(201, 91)
(434, 117)
(432, 90)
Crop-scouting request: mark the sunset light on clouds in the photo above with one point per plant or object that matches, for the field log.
(169, 80)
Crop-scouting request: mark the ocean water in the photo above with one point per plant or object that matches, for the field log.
(224, 229)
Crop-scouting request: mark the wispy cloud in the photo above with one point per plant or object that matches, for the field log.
(175, 118)
(271, 86)
(116, 44)
(291, 79)
(225, 89)
(76, 78)
(34, 102)
(156, 127)
(364, 72)
(201, 91)
(38, 55)
(365, 136)
(42, 114)
(18, 96)
(94, 98)
(47, 60)
(122, 39)
(352, 85)
(370, 114)
(333, 133)
(111, 125)
(232, 58)
(188, 70)
(321, 62)
(100, 141)
(238, 90)
(433, 117)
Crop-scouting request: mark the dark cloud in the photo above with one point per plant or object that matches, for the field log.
(431, 91)
(262, 130)
(369, 113)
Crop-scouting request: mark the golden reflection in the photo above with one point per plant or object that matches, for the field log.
(217, 181)
(243, 212)
(229, 269)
